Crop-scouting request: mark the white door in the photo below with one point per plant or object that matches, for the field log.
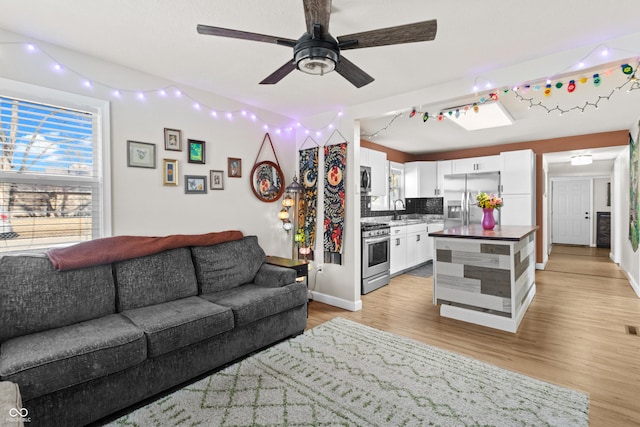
(571, 211)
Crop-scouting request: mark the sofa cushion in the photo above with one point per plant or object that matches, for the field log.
(52, 360)
(35, 297)
(155, 279)
(227, 265)
(252, 302)
(175, 324)
(274, 276)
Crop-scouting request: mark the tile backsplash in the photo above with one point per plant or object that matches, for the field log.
(419, 205)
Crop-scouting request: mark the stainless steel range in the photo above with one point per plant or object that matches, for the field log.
(375, 255)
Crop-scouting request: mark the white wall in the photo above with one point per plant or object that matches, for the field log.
(141, 205)
(623, 253)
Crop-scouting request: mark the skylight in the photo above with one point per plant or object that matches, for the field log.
(489, 115)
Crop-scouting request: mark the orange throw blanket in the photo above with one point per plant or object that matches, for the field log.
(120, 248)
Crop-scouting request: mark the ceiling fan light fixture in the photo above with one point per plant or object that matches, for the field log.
(316, 60)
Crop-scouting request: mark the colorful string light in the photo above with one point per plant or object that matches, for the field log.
(165, 92)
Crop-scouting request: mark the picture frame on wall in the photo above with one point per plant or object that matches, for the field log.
(172, 139)
(234, 167)
(195, 184)
(196, 151)
(216, 180)
(169, 172)
(141, 154)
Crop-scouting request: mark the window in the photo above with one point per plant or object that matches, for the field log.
(52, 190)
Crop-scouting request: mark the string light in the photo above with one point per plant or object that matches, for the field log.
(520, 91)
(163, 92)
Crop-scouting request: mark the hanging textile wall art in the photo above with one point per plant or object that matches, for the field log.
(335, 163)
(634, 203)
(309, 198)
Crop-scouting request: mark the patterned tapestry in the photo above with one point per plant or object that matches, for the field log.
(335, 163)
(308, 211)
(634, 227)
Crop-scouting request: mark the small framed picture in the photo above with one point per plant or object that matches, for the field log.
(215, 180)
(234, 167)
(195, 184)
(141, 154)
(196, 151)
(169, 172)
(172, 139)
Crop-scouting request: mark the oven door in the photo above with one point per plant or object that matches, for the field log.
(375, 255)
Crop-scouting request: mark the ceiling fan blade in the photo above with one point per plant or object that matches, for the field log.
(279, 74)
(317, 12)
(409, 33)
(353, 73)
(244, 35)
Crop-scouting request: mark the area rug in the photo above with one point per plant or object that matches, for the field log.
(343, 373)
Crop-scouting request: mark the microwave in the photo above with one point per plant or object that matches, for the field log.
(365, 179)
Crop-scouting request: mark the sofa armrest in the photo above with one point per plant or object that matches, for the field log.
(274, 276)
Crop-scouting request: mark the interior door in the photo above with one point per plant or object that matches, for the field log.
(571, 211)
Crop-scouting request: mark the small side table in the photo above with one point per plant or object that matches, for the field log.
(301, 267)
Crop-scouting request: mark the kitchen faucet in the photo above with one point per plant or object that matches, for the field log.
(395, 203)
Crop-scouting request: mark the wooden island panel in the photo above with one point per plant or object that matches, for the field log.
(488, 281)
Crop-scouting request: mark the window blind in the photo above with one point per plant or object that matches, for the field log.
(49, 175)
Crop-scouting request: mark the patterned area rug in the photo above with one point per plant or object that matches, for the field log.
(342, 373)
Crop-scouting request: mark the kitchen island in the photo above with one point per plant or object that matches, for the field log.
(485, 277)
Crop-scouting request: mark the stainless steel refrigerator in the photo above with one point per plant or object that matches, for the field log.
(460, 190)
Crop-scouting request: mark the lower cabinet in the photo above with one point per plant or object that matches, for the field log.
(409, 247)
(416, 244)
(398, 253)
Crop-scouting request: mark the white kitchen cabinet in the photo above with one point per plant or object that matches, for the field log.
(420, 179)
(518, 172)
(444, 168)
(398, 253)
(517, 209)
(378, 163)
(411, 179)
(432, 228)
(477, 164)
(364, 156)
(416, 245)
(518, 193)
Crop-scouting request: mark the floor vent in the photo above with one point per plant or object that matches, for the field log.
(631, 330)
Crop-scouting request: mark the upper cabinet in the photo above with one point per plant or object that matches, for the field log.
(477, 164)
(420, 179)
(518, 172)
(377, 161)
(445, 167)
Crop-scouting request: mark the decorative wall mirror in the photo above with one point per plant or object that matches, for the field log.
(267, 181)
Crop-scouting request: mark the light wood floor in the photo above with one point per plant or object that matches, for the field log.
(574, 333)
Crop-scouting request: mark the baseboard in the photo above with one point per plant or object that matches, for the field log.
(337, 302)
(632, 282)
(541, 265)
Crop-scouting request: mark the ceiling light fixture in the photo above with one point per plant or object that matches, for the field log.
(581, 159)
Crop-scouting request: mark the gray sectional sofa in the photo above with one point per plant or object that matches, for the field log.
(86, 343)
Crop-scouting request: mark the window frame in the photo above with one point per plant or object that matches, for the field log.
(102, 152)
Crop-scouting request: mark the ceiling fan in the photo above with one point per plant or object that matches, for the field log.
(317, 52)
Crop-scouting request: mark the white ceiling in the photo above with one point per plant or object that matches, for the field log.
(474, 39)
